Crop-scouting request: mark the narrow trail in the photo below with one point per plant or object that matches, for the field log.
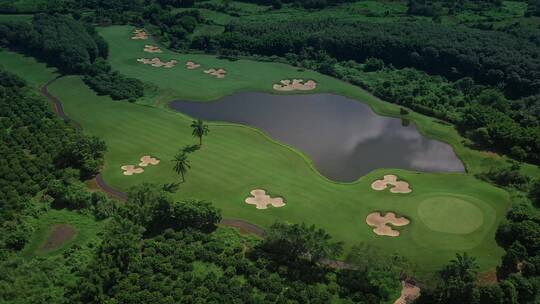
(58, 109)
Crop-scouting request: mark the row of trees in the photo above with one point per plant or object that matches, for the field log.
(181, 162)
(493, 58)
(518, 274)
(38, 149)
(482, 113)
(163, 251)
(74, 48)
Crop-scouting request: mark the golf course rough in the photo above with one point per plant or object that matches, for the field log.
(237, 159)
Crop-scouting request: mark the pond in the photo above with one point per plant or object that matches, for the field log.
(344, 137)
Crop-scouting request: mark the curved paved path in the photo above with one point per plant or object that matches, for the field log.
(103, 186)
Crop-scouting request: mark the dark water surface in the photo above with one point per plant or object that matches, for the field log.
(344, 137)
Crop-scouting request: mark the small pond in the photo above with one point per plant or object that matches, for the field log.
(344, 137)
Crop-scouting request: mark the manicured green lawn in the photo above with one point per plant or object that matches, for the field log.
(35, 73)
(247, 75)
(236, 159)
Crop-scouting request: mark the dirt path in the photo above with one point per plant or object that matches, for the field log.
(122, 196)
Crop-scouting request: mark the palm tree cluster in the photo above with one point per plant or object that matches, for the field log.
(181, 162)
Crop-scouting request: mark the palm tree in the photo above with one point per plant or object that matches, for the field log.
(181, 164)
(199, 129)
(463, 267)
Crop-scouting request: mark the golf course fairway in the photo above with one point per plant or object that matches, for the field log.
(448, 212)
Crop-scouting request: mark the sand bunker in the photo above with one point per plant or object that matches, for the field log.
(380, 223)
(190, 65)
(219, 73)
(295, 84)
(131, 169)
(156, 62)
(261, 200)
(398, 186)
(152, 49)
(409, 293)
(139, 34)
(148, 160)
(60, 234)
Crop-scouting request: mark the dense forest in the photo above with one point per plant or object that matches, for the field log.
(487, 68)
(72, 47)
(38, 150)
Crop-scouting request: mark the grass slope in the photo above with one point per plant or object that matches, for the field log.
(247, 75)
(86, 227)
(35, 73)
(237, 159)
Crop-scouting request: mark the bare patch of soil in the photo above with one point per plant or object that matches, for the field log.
(487, 278)
(409, 293)
(60, 234)
(380, 223)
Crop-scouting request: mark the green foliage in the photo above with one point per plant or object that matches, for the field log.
(37, 148)
(181, 164)
(457, 285)
(150, 207)
(435, 48)
(59, 40)
(533, 8)
(200, 129)
(167, 252)
(289, 243)
(73, 47)
(373, 64)
(508, 176)
(535, 193)
(181, 215)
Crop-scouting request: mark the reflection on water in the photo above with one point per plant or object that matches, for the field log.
(343, 137)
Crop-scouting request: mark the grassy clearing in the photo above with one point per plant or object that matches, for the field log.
(86, 227)
(30, 6)
(35, 73)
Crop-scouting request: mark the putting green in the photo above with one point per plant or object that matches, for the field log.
(450, 215)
